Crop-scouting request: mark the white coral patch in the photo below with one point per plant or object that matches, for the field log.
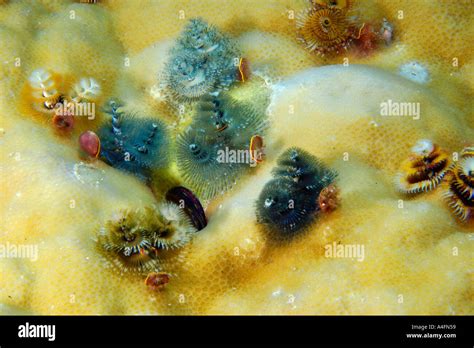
(415, 72)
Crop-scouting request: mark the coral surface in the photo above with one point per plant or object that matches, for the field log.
(417, 255)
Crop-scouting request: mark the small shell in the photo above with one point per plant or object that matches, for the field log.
(328, 198)
(460, 192)
(63, 122)
(90, 143)
(244, 70)
(424, 169)
(157, 280)
(186, 200)
(256, 148)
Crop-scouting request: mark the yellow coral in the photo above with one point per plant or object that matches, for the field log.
(53, 199)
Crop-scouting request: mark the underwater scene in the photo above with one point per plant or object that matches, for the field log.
(247, 157)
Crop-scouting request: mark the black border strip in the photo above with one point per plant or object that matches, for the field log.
(216, 330)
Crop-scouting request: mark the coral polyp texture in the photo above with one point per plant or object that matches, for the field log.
(208, 187)
(203, 60)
